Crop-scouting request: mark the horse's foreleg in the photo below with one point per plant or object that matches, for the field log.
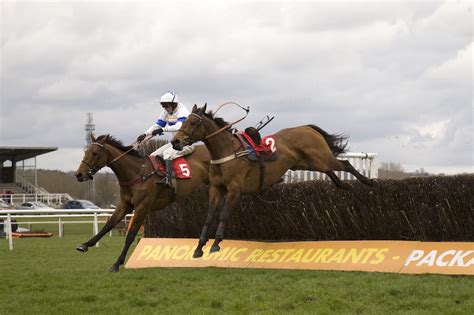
(215, 196)
(136, 224)
(116, 217)
(349, 168)
(231, 200)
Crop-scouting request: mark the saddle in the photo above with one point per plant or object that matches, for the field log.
(258, 149)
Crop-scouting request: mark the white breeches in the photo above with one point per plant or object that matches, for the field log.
(168, 153)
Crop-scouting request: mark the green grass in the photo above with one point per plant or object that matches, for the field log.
(48, 276)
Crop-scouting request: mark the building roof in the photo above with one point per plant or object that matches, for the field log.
(16, 154)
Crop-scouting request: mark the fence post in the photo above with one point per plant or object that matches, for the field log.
(10, 237)
(373, 168)
(96, 227)
(60, 227)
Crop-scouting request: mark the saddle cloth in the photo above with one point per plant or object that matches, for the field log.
(181, 167)
(267, 148)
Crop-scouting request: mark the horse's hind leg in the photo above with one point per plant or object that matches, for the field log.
(336, 180)
(349, 168)
(215, 196)
(326, 163)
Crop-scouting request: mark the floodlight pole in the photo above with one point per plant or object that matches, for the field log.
(89, 128)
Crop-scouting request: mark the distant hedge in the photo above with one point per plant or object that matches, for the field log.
(424, 209)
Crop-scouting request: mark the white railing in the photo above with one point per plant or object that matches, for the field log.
(50, 199)
(365, 163)
(25, 184)
(8, 215)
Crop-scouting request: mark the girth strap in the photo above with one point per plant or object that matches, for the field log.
(261, 164)
(230, 157)
(142, 178)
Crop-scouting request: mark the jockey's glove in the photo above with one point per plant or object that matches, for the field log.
(141, 137)
(158, 131)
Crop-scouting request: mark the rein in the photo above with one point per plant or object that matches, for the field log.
(247, 110)
(95, 169)
(190, 135)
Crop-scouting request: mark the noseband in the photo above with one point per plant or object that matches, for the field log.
(94, 169)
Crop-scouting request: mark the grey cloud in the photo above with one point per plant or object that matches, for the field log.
(378, 72)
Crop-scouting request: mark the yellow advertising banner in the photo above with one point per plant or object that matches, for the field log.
(379, 256)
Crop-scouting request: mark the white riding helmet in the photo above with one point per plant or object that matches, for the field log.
(169, 97)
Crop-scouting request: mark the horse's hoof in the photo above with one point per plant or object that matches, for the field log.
(198, 253)
(373, 183)
(215, 248)
(114, 269)
(82, 248)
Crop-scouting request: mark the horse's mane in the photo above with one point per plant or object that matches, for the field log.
(219, 121)
(119, 145)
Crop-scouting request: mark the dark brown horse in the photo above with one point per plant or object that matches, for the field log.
(300, 148)
(138, 188)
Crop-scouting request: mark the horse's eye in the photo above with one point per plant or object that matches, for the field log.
(193, 122)
(94, 153)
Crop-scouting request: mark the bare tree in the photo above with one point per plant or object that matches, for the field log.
(392, 170)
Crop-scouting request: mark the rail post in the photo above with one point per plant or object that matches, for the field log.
(374, 173)
(60, 227)
(10, 236)
(96, 227)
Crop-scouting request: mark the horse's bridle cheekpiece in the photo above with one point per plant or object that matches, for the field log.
(190, 135)
(94, 169)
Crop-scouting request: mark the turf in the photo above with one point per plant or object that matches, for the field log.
(48, 276)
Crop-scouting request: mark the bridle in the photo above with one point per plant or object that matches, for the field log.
(189, 140)
(94, 169)
(200, 123)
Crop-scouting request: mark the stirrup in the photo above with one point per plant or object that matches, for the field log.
(165, 181)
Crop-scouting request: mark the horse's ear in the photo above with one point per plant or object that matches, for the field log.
(92, 137)
(104, 139)
(194, 109)
(203, 109)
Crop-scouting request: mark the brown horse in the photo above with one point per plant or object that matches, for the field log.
(300, 148)
(138, 188)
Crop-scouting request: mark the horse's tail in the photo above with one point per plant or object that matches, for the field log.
(337, 142)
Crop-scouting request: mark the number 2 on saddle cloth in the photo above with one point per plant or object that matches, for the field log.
(265, 147)
(181, 168)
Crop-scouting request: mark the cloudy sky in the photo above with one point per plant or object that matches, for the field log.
(395, 76)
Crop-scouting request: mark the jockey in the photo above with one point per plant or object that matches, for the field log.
(170, 120)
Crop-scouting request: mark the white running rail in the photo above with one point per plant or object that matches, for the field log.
(365, 163)
(8, 215)
(50, 199)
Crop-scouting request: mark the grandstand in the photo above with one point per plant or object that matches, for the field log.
(18, 176)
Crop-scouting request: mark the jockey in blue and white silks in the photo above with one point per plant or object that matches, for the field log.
(170, 120)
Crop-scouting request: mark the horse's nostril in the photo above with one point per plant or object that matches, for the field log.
(79, 177)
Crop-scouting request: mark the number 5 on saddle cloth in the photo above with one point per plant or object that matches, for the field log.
(181, 167)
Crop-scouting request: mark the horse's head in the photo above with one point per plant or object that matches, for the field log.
(192, 129)
(94, 159)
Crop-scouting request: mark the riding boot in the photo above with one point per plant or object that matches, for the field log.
(169, 173)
